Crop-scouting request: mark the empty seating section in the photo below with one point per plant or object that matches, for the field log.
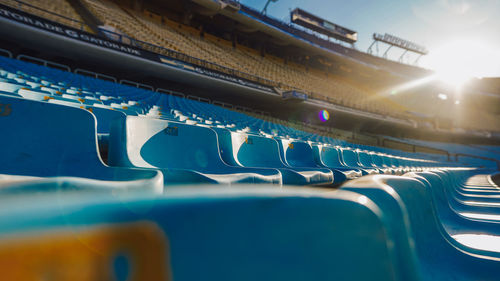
(101, 175)
(417, 221)
(187, 153)
(52, 10)
(468, 153)
(60, 141)
(188, 40)
(452, 219)
(189, 141)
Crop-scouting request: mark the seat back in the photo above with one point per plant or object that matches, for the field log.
(328, 156)
(225, 146)
(10, 87)
(387, 160)
(350, 157)
(365, 159)
(409, 201)
(148, 142)
(240, 234)
(297, 153)
(255, 151)
(43, 139)
(378, 160)
(105, 117)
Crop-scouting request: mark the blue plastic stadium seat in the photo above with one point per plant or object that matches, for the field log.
(105, 118)
(453, 222)
(329, 157)
(469, 201)
(378, 162)
(243, 234)
(351, 159)
(19, 185)
(366, 161)
(49, 140)
(388, 161)
(10, 87)
(255, 151)
(185, 153)
(9, 94)
(33, 95)
(299, 154)
(409, 205)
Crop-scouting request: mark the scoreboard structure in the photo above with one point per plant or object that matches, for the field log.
(322, 26)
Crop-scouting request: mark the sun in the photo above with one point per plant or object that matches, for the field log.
(458, 61)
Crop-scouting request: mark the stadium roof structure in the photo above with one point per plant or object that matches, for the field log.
(290, 35)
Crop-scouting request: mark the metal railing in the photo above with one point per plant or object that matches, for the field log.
(137, 85)
(223, 104)
(7, 53)
(196, 98)
(95, 74)
(44, 62)
(169, 92)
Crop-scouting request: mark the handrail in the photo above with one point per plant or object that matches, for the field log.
(7, 52)
(44, 62)
(196, 98)
(191, 97)
(94, 74)
(137, 85)
(100, 75)
(178, 94)
(223, 104)
(242, 108)
(169, 92)
(260, 112)
(205, 100)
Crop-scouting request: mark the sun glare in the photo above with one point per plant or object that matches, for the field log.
(455, 63)
(458, 61)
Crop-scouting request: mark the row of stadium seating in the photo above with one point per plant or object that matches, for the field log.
(470, 154)
(189, 41)
(419, 226)
(439, 224)
(56, 10)
(189, 141)
(88, 170)
(452, 217)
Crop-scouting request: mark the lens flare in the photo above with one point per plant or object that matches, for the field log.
(324, 115)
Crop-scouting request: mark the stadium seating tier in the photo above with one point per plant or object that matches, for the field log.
(103, 181)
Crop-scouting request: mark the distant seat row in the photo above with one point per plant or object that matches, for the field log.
(56, 118)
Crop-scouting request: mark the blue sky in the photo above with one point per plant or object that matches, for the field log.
(450, 29)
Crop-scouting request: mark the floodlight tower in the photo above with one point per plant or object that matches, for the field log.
(264, 11)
